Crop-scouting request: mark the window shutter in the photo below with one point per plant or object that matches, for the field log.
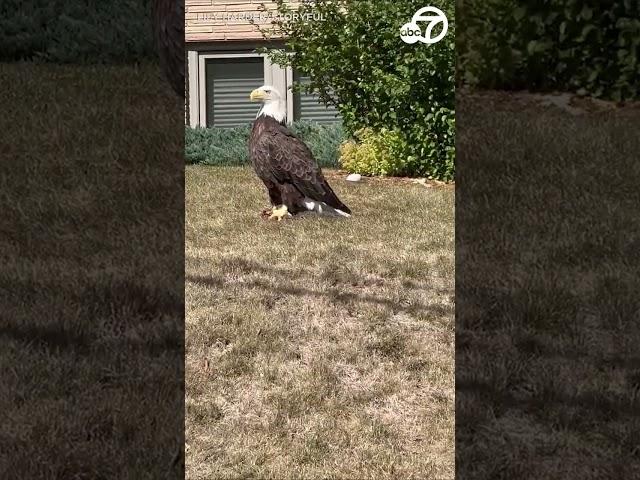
(308, 106)
(229, 83)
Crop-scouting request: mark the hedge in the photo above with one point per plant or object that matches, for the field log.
(583, 46)
(74, 31)
(228, 146)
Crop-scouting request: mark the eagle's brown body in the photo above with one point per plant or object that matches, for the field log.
(287, 167)
(168, 29)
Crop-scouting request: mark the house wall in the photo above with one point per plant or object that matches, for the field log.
(219, 20)
(222, 29)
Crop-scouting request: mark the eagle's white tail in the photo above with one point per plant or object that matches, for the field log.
(323, 209)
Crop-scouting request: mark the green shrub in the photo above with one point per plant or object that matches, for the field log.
(323, 140)
(357, 62)
(217, 146)
(584, 46)
(228, 146)
(374, 153)
(88, 31)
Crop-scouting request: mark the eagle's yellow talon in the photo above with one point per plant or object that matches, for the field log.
(279, 213)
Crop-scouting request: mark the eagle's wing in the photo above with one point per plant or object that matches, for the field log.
(291, 161)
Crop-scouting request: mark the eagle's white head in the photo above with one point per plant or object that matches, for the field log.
(273, 103)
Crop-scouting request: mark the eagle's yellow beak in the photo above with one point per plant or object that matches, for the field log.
(257, 94)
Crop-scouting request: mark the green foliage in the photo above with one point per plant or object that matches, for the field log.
(374, 153)
(87, 31)
(217, 146)
(323, 139)
(584, 46)
(358, 63)
(228, 146)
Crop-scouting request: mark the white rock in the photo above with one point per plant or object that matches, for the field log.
(354, 177)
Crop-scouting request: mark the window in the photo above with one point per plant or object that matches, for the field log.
(308, 106)
(229, 81)
(220, 83)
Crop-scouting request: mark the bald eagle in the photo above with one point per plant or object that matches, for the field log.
(294, 180)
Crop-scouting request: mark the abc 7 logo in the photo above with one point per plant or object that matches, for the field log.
(412, 33)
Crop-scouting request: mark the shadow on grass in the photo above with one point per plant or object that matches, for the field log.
(91, 246)
(247, 266)
(99, 306)
(546, 290)
(55, 337)
(330, 293)
(596, 405)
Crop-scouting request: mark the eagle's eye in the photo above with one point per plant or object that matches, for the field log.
(267, 91)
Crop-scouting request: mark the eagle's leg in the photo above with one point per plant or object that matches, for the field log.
(279, 213)
(275, 198)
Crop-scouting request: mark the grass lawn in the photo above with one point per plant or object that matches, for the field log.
(91, 273)
(319, 348)
(547, 304)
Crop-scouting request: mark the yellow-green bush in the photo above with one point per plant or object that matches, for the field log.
(374, 153)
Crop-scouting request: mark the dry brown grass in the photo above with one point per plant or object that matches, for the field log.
(548, 232)
(319, 348)
(91, 273)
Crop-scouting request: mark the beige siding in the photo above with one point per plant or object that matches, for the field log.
(209, 20)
